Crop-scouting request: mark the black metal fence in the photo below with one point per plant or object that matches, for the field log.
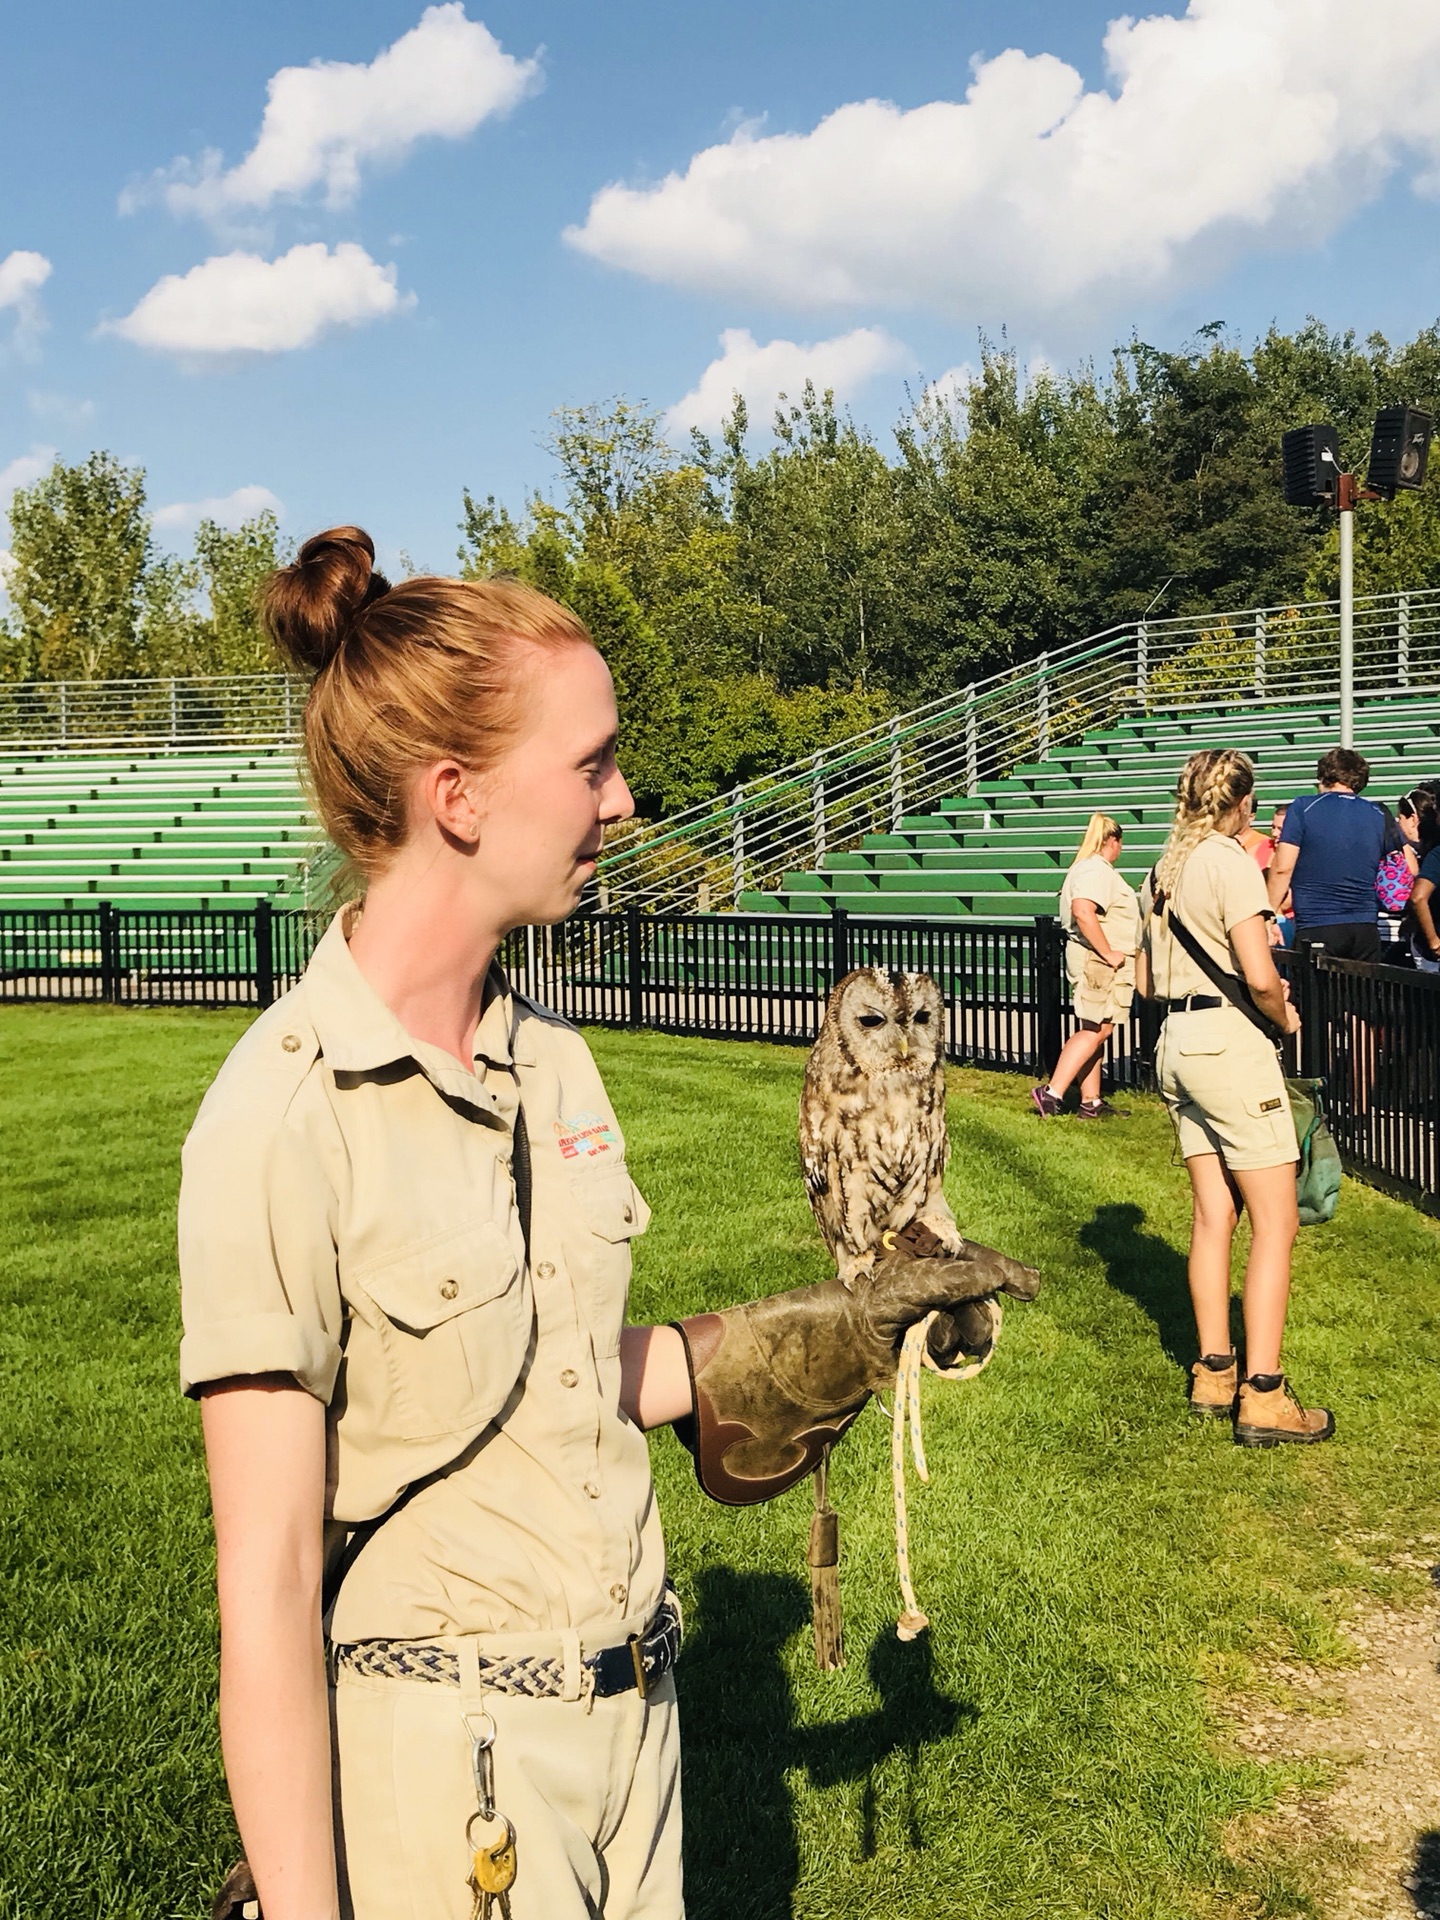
(1372, 1031)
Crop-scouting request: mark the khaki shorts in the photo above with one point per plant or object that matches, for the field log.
(1100, 992)
(593, 1794)
(1221, 1079)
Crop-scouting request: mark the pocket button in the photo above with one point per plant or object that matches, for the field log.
(449, 1289)
(592, 1491)
(569, 1378)
(546, 1270)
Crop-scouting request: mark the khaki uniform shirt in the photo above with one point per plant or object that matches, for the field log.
(1096, 880)
(1219, 886)
(348, 1215)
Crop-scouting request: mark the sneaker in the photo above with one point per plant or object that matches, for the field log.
(1045, 1103)
(1277, 1418)
(1100, 1110)
(1212, 1390)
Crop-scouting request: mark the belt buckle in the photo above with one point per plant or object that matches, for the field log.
(636, 1645)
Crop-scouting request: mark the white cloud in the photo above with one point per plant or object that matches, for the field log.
(1240, 123)
(952, 388)
(226, 510)
(762, 373)
(63, 407)
(236, 304)
(22, 274)
(23, 471)
(324, 123)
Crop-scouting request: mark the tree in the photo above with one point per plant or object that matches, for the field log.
(233, 565)
(80, 547)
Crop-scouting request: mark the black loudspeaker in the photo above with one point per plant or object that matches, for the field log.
(1312, 466)
(1399, 449)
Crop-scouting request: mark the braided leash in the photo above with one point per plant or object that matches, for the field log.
(914, 1358)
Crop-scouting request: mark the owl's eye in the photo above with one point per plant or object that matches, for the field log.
(922, 1019)
(872, 1019)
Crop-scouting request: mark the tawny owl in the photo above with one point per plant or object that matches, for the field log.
(872, 1116)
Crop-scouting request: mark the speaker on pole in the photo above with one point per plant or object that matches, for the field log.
(1399, 450)
(1312, 466)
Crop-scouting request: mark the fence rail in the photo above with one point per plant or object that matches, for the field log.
(1373, 1032)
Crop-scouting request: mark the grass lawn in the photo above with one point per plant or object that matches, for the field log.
(1097, 1569)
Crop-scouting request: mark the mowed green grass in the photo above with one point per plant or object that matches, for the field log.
(1095, 1566)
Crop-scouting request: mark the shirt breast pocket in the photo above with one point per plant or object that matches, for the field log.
(612, 1211)
(450, 1314)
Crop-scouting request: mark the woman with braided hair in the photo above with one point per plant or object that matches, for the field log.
(1220, 1076)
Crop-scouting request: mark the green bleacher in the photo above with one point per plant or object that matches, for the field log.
(162, 829)
(1001, 853)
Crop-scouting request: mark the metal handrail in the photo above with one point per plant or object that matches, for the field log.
(802, 814)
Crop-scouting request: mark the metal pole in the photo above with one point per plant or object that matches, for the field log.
(817, 811)
(1042, 708)
(897, 779)
(1142, 666)
(1402, 660)
(1346, 504)
(737, 847)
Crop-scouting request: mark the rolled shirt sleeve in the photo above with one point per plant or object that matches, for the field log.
(259, 1285)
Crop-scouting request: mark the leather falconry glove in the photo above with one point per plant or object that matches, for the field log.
(776, 1382)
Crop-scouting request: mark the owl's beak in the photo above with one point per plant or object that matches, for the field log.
(904, 1048)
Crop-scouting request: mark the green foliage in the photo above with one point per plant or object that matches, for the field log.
(1107, 1581)
(80, 547)
(91, 598)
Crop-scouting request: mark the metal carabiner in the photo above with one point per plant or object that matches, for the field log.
(482, 1764)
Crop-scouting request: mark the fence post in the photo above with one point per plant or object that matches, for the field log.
(972, 745)
(897, 779)
(737, 848)
(1042, 708)
(1049, 959)
(1402, 646)
(1142, 666)
(634, 967)
(109, 952)
(64, 711)
(1259, 656)
(817, 811)
(264, 953)
(289, 713)
(174, 711)
(839, 944)
(1307, 1000)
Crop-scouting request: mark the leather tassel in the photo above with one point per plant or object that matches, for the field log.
(824, 1557)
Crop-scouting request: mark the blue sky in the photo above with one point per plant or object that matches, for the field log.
(523, 207)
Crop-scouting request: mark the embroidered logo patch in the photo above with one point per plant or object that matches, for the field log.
(1270, 1106)
(585, 1136)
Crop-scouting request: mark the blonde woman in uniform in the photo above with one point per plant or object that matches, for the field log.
(1101, 919)
(372, 1338)
(1221, 1079)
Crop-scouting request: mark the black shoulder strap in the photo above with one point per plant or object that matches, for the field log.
(1230, 984)
(361, 1537)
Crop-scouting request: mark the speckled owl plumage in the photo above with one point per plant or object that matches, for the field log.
(873, 1143)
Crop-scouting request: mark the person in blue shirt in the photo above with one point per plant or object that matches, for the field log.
(1330, 850)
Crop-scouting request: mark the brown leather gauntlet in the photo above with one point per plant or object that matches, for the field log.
(779, 1380)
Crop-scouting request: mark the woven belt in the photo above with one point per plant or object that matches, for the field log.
(640, 1662)
(1195, 1003)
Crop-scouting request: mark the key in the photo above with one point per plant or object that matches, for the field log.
(493, 1872)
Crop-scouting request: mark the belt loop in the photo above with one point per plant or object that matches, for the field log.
(570, 1654)
(472, 1688)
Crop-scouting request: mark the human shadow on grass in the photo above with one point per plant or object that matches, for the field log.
(1423, 1880)
(1153, 1274)
(742, 1740)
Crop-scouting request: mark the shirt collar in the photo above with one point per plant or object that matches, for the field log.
(359, 1034)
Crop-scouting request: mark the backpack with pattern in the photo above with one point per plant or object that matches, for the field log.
(1394, 883)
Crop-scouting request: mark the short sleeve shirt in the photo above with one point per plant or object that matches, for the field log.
(1096, 880)
(1430, 867)
(348, 1216)
(1341, 839)
(1219, 886)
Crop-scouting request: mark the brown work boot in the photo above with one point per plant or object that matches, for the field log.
(1272, 1417)
(1212, 1389)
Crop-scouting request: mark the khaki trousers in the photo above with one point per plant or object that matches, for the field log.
(593, 1794)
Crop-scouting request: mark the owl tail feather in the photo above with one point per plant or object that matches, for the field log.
(824, 1556)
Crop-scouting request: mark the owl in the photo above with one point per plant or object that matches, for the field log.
(872, 1117)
